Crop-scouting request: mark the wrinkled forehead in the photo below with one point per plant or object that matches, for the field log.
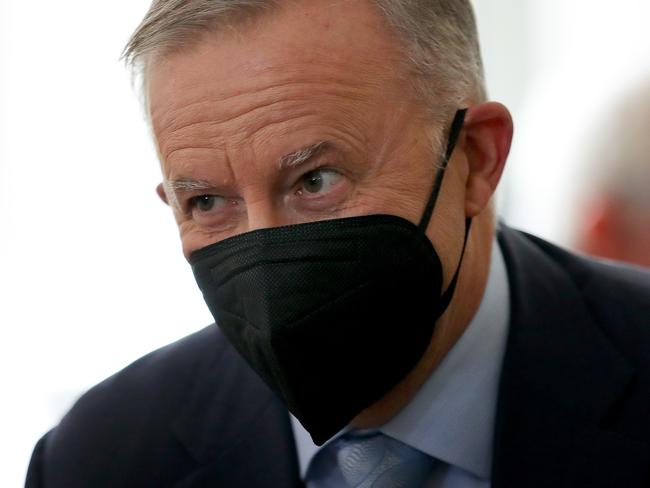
(311, 41)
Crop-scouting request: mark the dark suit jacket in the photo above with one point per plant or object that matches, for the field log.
(573, 409)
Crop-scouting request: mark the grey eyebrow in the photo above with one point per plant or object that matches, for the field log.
(291, 160)
(301, 156)
(187, 185)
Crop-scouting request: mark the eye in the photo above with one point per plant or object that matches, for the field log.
(318, 181)
(205, 203)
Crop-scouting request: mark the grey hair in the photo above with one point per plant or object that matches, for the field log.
(439, 38)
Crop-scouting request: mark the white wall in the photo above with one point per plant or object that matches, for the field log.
(91, 273)
(92, 276)
(581, 56)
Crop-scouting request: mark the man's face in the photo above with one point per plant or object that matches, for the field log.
(303, 115)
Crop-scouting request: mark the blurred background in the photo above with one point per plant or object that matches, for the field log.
(91, 271)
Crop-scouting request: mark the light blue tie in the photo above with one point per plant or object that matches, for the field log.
(363, 460)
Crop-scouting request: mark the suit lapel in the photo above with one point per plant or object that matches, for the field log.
(236, 430)
(560, 378)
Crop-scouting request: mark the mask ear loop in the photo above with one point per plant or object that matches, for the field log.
(446, 297)
(454, 133)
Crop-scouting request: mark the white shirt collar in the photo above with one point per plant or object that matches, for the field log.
(452, 416)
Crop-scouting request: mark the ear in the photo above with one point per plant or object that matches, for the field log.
(160, 190)
(488, 135)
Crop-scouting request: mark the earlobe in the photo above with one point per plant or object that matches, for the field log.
(160, 190)
(488, 136)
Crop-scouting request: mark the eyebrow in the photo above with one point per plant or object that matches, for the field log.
(302, 155)
(288, 161)
(187, 185)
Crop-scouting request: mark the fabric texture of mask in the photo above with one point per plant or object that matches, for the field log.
(331, 314)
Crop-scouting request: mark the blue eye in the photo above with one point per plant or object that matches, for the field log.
(319, 181)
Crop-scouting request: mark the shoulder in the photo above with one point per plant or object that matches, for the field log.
(124, 425)
(602, 282)
(155, 380)
(616, 295)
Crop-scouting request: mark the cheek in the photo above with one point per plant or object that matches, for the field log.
(189, 241)
(193, 238)
(403, 193)
(391, 201)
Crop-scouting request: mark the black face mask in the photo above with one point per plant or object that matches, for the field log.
(331, 314)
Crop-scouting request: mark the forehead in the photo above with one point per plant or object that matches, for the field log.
(324, 42)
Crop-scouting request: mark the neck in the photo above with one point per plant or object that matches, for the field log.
(451, 325)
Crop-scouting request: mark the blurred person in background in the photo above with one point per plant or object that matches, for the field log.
(614, 217)
(331, 167)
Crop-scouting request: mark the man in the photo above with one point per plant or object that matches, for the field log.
(331, 166)
(614, 221)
